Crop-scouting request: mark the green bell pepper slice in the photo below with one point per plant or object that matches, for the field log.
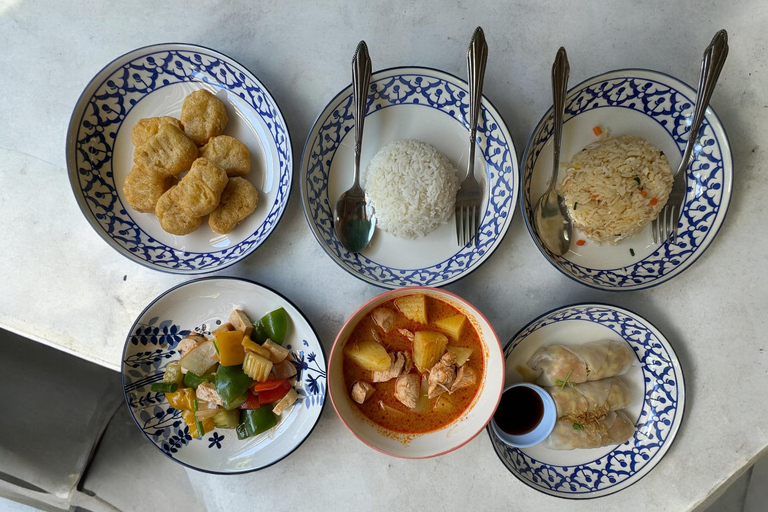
(255, 421)
(275, 325)
(237, 402)
(259, 334)
(198, 423)
(231, 384)
(164, 387)
(193, 381)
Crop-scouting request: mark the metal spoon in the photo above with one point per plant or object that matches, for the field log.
(354, 219)
(550, 216)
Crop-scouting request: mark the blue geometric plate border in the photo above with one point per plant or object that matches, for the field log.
(656, 428)
(665, 100)
(426, 88)
(98, 116)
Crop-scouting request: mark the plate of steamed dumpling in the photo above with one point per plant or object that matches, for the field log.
(619, 392)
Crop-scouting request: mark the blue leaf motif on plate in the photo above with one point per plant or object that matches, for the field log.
(215, 440)
(312, 384)
(166, 333)
(313, 377)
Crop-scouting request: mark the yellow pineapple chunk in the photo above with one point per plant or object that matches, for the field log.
(413, 307)
(428, 348)
(276, 352)
(444, 404)
(462, 354)
(421, 405)
(251, 345)
(453, 326)
(368, 354)
(256, 367)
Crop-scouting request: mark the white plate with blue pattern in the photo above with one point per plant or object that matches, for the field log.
(201, 305)
(409, 103)
(153, 81)
(658, 108)
(655, 380)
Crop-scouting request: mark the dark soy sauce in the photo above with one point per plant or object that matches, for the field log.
(520, 411)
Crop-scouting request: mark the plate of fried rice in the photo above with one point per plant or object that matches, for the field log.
(624, 134)
(413, 158)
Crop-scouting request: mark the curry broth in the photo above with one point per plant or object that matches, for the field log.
(410, 422)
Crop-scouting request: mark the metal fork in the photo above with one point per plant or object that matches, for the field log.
(665, 226)
(469, 198)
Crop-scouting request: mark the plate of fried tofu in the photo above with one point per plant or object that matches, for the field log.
(179, 158)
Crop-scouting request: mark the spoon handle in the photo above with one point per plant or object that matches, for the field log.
(711, 65)
(477, 56)
(361, 79)
(560, 71)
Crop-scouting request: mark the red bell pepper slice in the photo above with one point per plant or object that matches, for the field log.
(252, 402)
(273, 395)
(268, 385)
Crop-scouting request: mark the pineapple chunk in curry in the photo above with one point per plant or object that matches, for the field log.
(413, 364)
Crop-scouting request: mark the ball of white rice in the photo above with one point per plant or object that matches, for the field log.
(412, 188)
(614, 187)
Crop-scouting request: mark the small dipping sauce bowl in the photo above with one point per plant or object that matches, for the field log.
(525, 416)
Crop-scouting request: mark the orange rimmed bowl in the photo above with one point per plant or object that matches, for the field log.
(438, 442)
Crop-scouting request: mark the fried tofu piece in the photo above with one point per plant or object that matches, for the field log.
(238, 201)
(174, 218)
(207, 393)
(169, 151)
(148, 127)
(200, 190)
(203, 116)
(228, 153)
(143, 187)
(241, 322)
(189, 343)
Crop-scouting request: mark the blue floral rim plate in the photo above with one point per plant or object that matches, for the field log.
(658, 389)
(658, 108)
(200, 306)
(153, 81)
(409, 103)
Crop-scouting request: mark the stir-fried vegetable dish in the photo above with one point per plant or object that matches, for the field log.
(240, 377)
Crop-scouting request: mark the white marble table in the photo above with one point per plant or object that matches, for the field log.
(63, 286)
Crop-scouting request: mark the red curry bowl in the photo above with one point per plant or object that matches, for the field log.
(447, 438)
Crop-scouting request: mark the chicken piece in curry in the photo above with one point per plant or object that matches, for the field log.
(413, 364)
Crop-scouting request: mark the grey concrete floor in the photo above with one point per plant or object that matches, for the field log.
(120, 466)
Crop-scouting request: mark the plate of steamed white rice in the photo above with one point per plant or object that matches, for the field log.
(624, 133)
(413, 158)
